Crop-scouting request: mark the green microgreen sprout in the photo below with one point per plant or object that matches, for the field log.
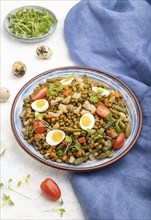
(61, 211)
(7, 200)
(68, 139)
(77, 146)
(89, 131)
(61, 202)
(58, 209)
(8, 187)
(109, 116)
(94, 99)
(26, 180)
(31, 23)
(40, 116)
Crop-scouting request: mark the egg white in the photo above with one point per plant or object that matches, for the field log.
(92, 121)
(67, 81)
(40, 109)
(49, 137)
(103, 91)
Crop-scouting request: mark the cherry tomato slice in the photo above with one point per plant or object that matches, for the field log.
(119, 141)
(39, 94)
(102, 110)
(39, 127)
(50, 189)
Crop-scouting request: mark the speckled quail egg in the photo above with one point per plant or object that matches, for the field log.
(87, 121)
(44, 52)
(19, 69)
(54, 137)
(4, 94)
(100, 90)
(40, 105)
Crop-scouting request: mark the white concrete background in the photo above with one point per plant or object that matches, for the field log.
(15, 163)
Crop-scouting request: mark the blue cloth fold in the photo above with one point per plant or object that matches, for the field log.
(114, 36)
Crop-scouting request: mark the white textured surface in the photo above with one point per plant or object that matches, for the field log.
(15, 163)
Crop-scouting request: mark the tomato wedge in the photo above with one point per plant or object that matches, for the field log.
(39, 127)
(119, 141)
(39, 94)
(50, 189)
(102, 110)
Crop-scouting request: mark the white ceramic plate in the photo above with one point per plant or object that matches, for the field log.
(130, 99)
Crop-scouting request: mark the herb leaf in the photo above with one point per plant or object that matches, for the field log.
(7, 200)
(40, 116)
(1, 184)
(89, 131)
(58, 88)
(77, 146)
(68, 139)
(19, 183)
(34, 22)
(109, 116)
(93, 99)
(10, 180)
(61, 210)
(61, 202)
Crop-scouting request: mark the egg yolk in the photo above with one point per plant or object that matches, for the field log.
(57, 136)
(40, 103)
(86, 121)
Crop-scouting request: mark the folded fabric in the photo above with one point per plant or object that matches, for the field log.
(115, 36)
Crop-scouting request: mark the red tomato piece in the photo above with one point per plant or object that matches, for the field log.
(119, 141)
(39, 127)
(102, 110)
(50, 189)
(39, 94)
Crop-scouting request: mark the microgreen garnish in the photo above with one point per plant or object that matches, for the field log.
(58, 88)
(51, 93)
(109, 116)
(93, 99)
(61, 211)
(7, 200)
(61, 202)
(40, 116)
(30, 23)
(58, 209)
(10, 180)
(8, 187)
(1, 184)
(77, 146)
(19, 183)
(68, 139)
(26, 180)
(89, 131)
(53, 88)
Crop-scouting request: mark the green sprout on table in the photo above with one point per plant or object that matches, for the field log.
(9, 187)
(58, 209)
(7, 200)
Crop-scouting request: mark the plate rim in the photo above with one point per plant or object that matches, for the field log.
(25, 39)
(57, 166)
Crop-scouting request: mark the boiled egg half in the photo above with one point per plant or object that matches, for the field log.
(87, 121)
(54, 137)
(40, 105)
(67, 81)
(100, 90)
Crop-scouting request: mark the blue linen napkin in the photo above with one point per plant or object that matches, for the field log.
(114, 36)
